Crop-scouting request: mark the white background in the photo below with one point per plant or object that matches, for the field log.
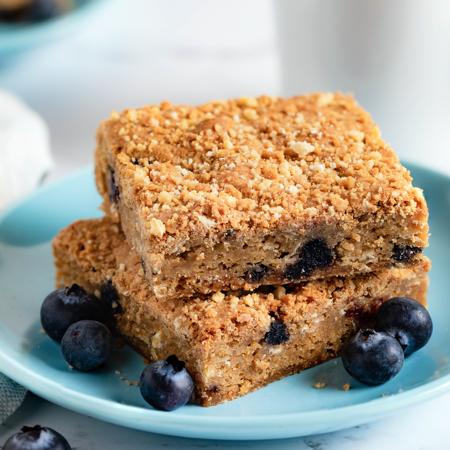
(139, 52)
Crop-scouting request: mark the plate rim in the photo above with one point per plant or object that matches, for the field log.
(252, 427)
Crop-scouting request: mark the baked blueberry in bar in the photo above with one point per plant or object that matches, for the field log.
(257, 191)
(234, 342)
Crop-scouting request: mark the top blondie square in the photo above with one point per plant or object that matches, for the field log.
(237, 194)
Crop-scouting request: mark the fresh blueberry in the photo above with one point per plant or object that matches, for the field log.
(315, 254)
(405, 253)
(372, 357)
(86, 345)
(36, 438)
(277, 334)
(40, 10)
(256, 273)
(166, 385)
(407, 321)
(63, 307)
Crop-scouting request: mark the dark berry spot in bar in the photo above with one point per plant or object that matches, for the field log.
(143, 266)
(297, 270)
(113, 189)
(109, 295)
(266, 290)
(256, 273)
(315, 254)
(404, 253)
(229, 234)
(213, 389)
(277, 334)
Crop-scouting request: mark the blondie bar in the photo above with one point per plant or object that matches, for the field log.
(234, 342)
(257, 191)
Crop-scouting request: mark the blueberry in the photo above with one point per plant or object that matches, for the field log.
(277, 334)
(166, 385)
(407, 321)
(405, 253)
(36, 438)
(315, 254)
(113, 189)
(40, 10)
(86, 345)
(372, 357)
(63, 307)
(256, 273)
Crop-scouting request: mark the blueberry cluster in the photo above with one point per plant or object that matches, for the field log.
(374, 356)
(82, 323)
(314, 254)
(78, 321)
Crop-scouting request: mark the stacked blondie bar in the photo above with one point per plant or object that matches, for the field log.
(249, 237)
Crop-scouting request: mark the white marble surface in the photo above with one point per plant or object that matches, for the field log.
(424, 427)
(137, 52)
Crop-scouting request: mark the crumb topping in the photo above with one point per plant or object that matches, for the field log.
(255, 163)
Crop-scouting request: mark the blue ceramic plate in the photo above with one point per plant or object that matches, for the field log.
(290, 407)
(18, 37)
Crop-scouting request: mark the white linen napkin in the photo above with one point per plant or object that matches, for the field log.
(24, 160)
(24, 149)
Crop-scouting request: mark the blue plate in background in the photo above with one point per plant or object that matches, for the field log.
(287, 408)
(15, 38)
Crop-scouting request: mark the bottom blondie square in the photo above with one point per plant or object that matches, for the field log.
(231, 343)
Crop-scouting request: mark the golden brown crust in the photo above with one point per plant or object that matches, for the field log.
(221, 337)
(255, 163)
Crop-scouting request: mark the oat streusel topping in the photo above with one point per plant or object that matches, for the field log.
(252, 162)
